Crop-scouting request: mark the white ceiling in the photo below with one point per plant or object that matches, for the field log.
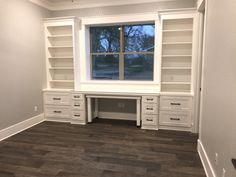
(77, 4)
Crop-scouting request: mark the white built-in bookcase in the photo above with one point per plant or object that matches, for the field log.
(60, 38)
(177, 53)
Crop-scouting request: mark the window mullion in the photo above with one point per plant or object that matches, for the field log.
(121, 56)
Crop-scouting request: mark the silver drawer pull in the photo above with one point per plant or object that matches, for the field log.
(149, 99)
(76, 96)
(149, 108)
(149, 120)
(175, 104)
(77, 115)
(58, 112)
(174, 118)
(56, 98)
(77, 105)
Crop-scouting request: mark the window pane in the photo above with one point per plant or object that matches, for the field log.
(105, 39)
(139, 67)
(139, 38)
(105, 67)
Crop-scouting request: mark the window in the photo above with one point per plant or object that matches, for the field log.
(122, 52)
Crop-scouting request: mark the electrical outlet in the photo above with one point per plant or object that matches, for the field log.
(36, 108)
(216, 158)
(223, 172)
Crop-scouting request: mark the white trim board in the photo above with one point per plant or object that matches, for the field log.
(21, 126)
(205, 160)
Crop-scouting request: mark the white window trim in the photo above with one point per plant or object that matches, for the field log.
(85, 79)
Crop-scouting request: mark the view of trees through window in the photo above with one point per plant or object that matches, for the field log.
(122, 52)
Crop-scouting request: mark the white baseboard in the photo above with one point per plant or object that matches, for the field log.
(205, 160)
(117, 115)
(19, 127)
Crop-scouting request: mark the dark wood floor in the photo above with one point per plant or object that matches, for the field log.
(102, 149)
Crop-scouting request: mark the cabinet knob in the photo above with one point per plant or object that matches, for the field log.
(77, 105)
(57, 99)
(175, 104)
(149, 99)
(58, 112)
(77, 115)
(149, 108)
(149, 120)
(174, 118)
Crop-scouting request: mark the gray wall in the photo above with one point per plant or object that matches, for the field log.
(218, 124)
(107, 105)
(22, 61)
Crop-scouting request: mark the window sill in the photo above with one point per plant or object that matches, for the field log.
(118, 82)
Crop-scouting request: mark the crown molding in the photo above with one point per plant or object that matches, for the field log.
(78, 5)
(43, 3)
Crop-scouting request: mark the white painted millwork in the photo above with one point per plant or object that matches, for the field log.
(175, 103)
(150, 111)
(61, 41)
(109, 95)
(177, 51)
(174, 73)
(175, 118)
(21, 126)
(78, 106)
(65, 106)
(86, 84)
(176, 113)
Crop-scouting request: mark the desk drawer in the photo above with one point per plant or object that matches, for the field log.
(175, 118)
(57, 98)
(149, 108)
(150, 99)
(78, 105)
(77, 96)
(58, 111)
(149, 119)
(175, 103)
(78, 115)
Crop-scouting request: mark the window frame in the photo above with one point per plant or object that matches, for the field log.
(82, 65)
(121, 53)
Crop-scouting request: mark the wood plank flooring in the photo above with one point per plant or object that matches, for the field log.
(105, 148)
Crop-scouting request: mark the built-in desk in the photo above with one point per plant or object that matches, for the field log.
(113, 96)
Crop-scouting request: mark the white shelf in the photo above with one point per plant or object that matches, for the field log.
(60, 36)
(56, 68)
(178, 30)
(176, 68)
(176, 56)
(62, 81)
(63, 57)
(177, 43)
(176, 83)
(59, 47)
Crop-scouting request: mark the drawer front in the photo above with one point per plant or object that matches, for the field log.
(58, 112)
(149, 119)
(150, 108)
(78, 105)
(57, 98)
(79, 115)
(150, 99)
(174, 118)
(175, 103)
(77, 96)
